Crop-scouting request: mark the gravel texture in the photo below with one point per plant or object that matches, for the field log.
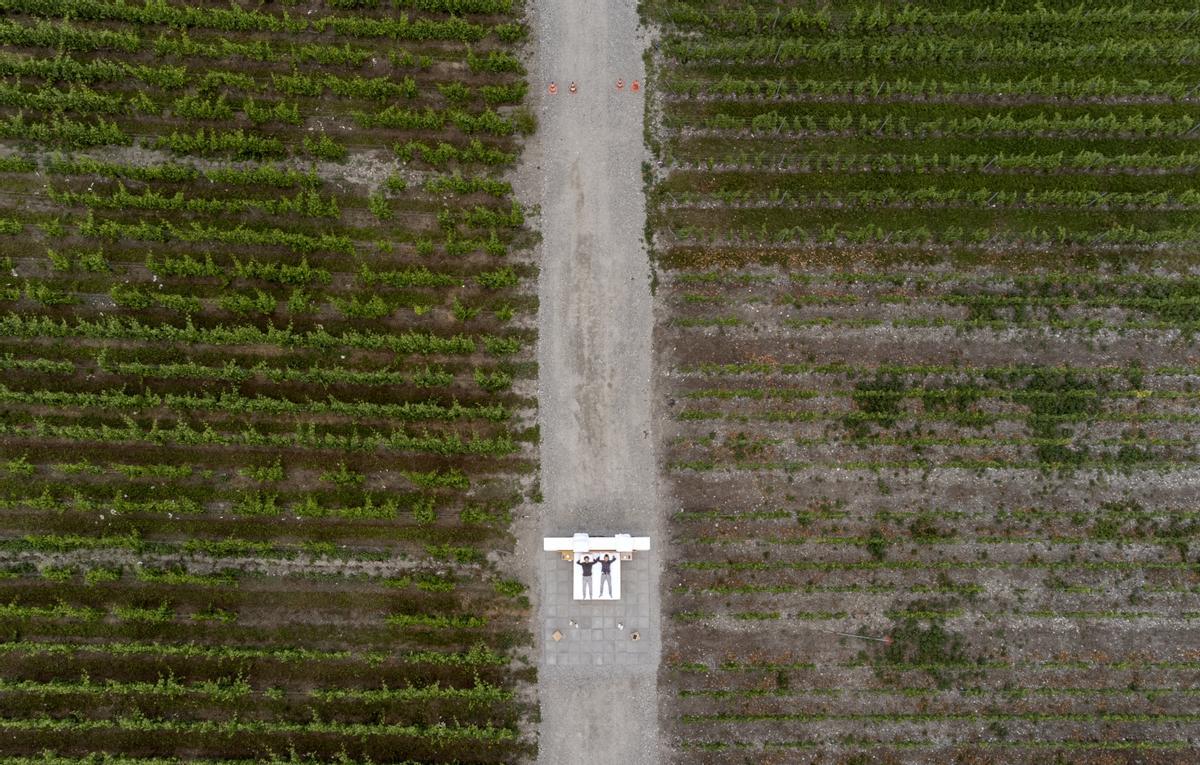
(583, 167)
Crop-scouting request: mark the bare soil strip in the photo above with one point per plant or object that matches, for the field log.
(594, 352)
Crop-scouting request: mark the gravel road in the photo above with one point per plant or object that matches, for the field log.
(594, 349)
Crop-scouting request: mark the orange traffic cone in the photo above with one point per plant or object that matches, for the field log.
(635, 87)
(572, 88)
(620, 84)
(553, 88)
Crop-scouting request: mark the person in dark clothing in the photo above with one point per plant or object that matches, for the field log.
(587, 564)
(606, 574)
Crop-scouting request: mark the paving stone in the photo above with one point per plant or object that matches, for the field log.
(594, 639)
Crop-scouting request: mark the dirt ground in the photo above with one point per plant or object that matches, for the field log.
(583, 167)
(1027, 607)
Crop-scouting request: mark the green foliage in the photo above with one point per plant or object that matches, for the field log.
(408, 342)
(343, 477)
(260, 303)
(20, 466)
(180, 577)
(494, 381)
(510, 33)
(436, 621)
(300, 302)
(423, 511)
(463, 312)
(509, 588)
(83, 467)
(264, 175)
(401, 28)
(231, 19)
(380, 207)
(40, 292)
(302, 243)
(501, 346)
(214, 614)
(257, 503)
(509, 93)
(310, 507)
(210, 142)
(89, 261)
(281, 273)
(80, 98)
(272, 472)
(459, 7)
(167, 172)
(153, 471)
(161, 614)
(495, 62)
(406, 60)
(180, 423)
(16, 164)
(452, 479)
(501, 278)
(324, 147)
(876, 544)
(478, 515)
(432, 378)
(926, 643)
(57, 574)
(454, 92)
(475, 152)
(880, 400)
(65, 68)
(419, 276)
(65, 36)
(996, 207)
(457, 184)
(357, 307)
(95, 576)
(141, 298)
(459, 554)
(184, 266)
(305, 202)
(64, 132)
(279, 111)
(331, 55)
(184, 45)
(196, 107)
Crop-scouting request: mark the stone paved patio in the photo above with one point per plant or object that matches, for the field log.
(595, 639)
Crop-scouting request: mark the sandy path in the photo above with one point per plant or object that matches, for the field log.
(594, 349)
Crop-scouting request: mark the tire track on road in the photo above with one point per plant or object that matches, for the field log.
(598, 468)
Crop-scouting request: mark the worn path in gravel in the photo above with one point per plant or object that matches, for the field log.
(594, 358)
